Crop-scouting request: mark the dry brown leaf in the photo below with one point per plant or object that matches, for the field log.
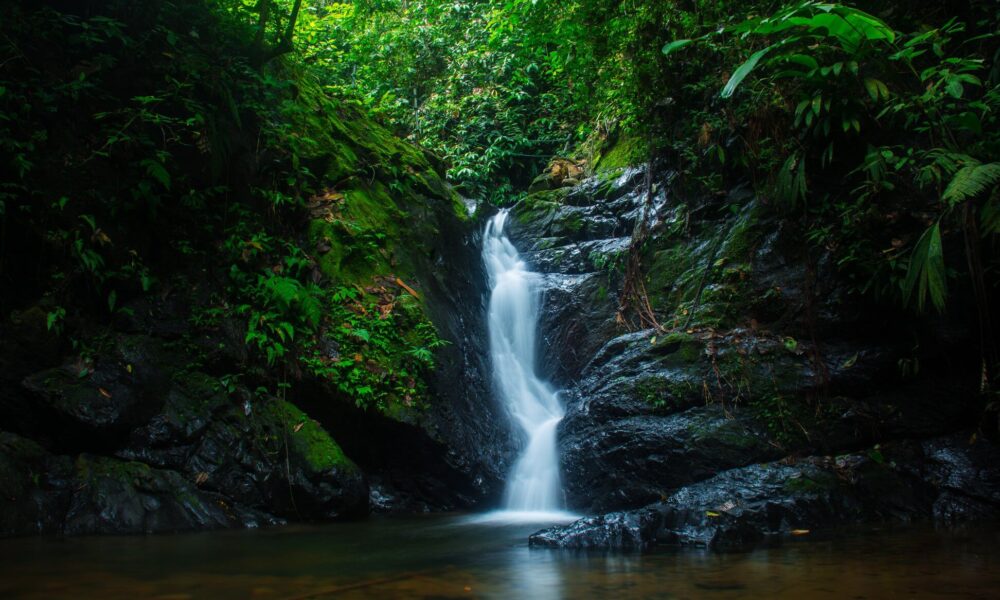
(104, 392)
(410, 290)
(299, 426)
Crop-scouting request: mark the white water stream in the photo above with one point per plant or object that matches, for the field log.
(533, 490)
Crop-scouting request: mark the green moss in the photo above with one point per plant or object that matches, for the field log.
(815, 483)
(536, 210)
(557, 196)
(312, 442)
(626, 152)
(730, 432)
(679, 346)
(90, 468)
(742, 236)
(196, 396)
(573, 222)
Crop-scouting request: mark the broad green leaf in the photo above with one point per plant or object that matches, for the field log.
(872, 88)
(743, 70)
(803, 59)
(676, 45)
(926, 275)
(157, 171)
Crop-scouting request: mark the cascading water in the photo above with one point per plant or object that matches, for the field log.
(534, 487)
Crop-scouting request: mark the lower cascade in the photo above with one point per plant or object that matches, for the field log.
(534, 486)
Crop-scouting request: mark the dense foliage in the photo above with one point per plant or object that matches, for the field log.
(141, 142)
(173, 152)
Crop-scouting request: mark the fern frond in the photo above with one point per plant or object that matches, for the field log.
(970, 181)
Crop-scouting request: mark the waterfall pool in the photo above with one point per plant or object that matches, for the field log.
(451, 556)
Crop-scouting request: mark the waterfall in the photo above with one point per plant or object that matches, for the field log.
(534, 485)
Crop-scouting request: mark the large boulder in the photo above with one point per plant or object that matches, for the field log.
(89, 494)
(262, 451)
(98, 401)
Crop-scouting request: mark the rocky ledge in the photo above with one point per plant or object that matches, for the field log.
(694, 431)
(946, 479)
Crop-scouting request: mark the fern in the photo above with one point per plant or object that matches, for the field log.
(970, 181)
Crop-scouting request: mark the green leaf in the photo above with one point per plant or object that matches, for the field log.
(676, 45)
(954, 88)
(53, 318)
(157, 171)
(803, 59)
(872, 88)
(926, 275)
(743, 70)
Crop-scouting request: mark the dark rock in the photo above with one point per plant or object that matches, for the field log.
(770, 352)
(35, 487)
(104, 400)
(113, 496)
(266, 453)
(626, 461)
(459, 451)
(632, 530)
(945, 479)
(46, 493)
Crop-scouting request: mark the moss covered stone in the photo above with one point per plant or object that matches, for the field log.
(625, 152)
(313, 443)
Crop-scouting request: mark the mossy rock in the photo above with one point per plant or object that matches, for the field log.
(116, 496)
(308, 439)
(812, 481)
(624, 152)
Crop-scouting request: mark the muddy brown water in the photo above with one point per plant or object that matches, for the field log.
(440, 557)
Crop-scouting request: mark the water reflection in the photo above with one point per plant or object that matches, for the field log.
(447, 557)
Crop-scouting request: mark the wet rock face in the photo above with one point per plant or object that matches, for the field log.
(103, 401)
(473, 434)
(764, 353)
(265, 455)
(46, 493)
(944, 478)
(632, 460)
(577, 238)
(631, 530)
(176, 452)
(127, 497)
(145, 437)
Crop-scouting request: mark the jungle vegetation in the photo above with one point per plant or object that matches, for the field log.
(142, 143)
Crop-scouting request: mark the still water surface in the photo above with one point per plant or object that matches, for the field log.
(453, 557)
